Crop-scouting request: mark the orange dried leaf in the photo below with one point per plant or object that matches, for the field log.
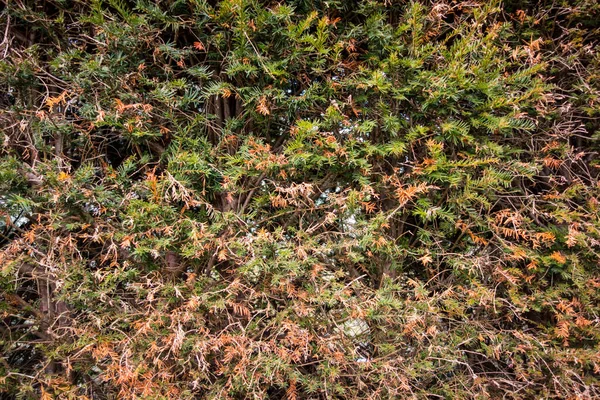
(562, 329)
(261, 107)
(558, 257)
(426, 259)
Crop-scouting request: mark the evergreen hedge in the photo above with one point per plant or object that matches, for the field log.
(325, 199)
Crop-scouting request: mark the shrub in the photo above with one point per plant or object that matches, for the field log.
(328, 199)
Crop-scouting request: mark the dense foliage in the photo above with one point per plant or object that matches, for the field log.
(326, 199)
